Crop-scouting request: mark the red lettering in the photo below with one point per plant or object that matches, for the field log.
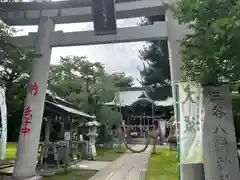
(26, 130)
(26, 122)
(33, 89)
(27, 115)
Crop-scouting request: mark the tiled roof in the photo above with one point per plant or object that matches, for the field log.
(128, 98)
(71, 110)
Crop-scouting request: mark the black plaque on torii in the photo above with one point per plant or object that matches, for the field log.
(104, 17)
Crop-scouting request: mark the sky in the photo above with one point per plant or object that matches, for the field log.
(122, 57)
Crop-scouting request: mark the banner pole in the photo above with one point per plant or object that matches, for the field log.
(177, 116)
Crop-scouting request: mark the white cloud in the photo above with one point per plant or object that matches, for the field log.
(122, 57)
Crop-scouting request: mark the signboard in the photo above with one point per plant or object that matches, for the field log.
(220, 148)
(3, 129)
(67, 136)
(104, 17)
(190, 105)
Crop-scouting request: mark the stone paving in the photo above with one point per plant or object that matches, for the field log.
(130, 166)
(88, 165)
(91, 165)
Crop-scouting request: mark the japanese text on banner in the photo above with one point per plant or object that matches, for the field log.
(190, 103)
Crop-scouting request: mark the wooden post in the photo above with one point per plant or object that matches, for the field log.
(47, 130)
(67, 130)
(154, 146)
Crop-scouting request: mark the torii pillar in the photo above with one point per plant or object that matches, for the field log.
(34, 104)
(176, 33)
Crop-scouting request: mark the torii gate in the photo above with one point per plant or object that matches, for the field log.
(46, 15)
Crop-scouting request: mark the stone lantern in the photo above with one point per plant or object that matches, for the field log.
(92, 134)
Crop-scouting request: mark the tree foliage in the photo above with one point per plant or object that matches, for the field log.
(81, 82)
(15, 65)
(87, 85)
(210, 54)
(156, 71)
(121, 80)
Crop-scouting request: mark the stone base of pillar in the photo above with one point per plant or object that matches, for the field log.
(31, 178)
(9, 177)
(192, 171)
(172, 146)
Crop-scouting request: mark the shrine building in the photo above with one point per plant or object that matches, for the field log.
(139, 110)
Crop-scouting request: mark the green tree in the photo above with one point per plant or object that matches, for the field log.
(14, 78)
(15, 65)
(210, 54)
(88, 86)
(121, 80)
(107, 117)
(236, 113)
(81, 82)
(156, 71)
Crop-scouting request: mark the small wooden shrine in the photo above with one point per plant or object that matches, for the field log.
(62, 132)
